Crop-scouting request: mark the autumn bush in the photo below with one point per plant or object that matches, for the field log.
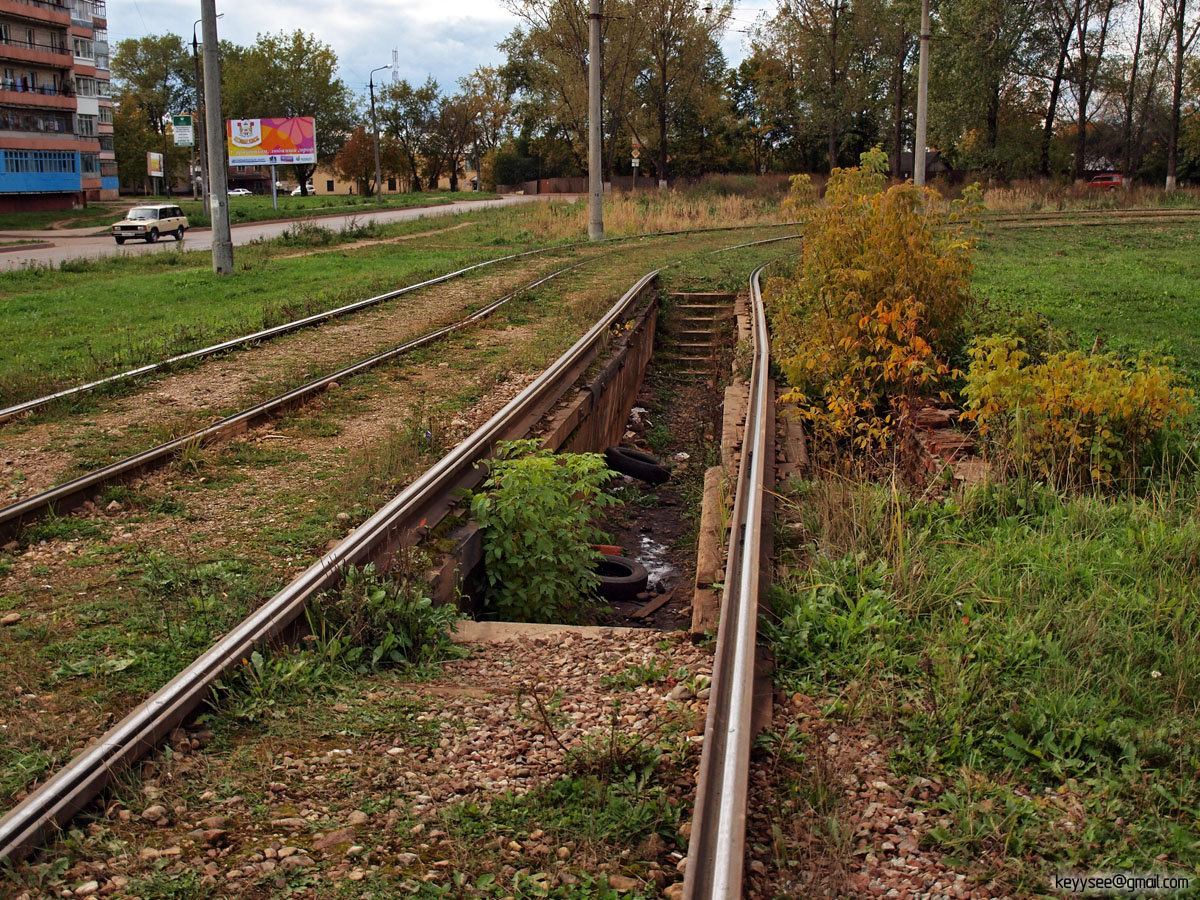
(1075, 419)
(865, 324)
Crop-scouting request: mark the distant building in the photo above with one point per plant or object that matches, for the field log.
(934, 165)
(56, 113)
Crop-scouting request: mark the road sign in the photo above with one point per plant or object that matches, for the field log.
(635, 162)
(636, 154)
(185, 132)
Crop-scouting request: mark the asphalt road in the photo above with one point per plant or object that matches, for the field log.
(65, 246)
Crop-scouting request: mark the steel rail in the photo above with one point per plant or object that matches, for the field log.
(397, 523)
(265, 334)
(71, 494)
(716, 848)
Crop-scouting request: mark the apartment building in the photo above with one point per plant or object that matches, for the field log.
(56, 133)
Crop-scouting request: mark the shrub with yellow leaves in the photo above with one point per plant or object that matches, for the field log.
(864, 326)
(1076, 419)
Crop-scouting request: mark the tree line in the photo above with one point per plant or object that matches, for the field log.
(1018, 88)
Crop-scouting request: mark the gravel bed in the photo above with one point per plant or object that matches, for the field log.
(245, 814)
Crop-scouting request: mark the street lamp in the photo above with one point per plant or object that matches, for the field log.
(375, 130)
(199, 130)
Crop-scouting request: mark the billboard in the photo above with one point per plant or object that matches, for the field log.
(154, 165)
(271, 142)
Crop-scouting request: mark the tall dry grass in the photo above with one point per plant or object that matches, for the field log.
(1048, 196)
(643, 212)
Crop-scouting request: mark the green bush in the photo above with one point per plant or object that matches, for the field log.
(536, 511)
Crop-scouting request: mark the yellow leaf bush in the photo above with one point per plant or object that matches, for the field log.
(864, 325)
(1075, 419)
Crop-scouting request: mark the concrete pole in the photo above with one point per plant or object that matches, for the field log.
(218, 201)
(922, 99)
(595, 171)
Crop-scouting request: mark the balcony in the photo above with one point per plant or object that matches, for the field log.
(36, 121)
(60, 49)
(37, 10)
(18, 93)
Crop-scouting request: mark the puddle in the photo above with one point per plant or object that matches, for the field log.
(653, 555)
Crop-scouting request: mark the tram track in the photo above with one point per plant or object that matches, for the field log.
(397, 523)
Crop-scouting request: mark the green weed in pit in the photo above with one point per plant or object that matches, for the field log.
(536, 510)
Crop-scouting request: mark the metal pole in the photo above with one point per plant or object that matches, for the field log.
(595, 175)
(922, 99)
(218, 201)
(200, 130)
(375, 132)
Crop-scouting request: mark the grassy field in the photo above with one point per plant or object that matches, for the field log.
(88, 319)
(1034, 651)
(1133, 287)
(241, 209)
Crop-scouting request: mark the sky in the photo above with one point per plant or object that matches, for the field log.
(443, 38)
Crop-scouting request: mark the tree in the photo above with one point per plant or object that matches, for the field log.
(1183, 34)
(290, 75)
(409, 115)
(151, 77)
(355, 162)
(682, 60)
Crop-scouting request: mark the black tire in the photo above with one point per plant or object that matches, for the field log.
(621, 579)
(120, 240)
(152, 237)
(636, 464)
(179, 233)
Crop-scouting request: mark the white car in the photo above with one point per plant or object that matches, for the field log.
(149, 223)
(240, 192)
(298, 193)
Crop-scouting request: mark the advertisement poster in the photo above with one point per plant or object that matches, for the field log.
(271, 142)
(185, 132)
(154, 165)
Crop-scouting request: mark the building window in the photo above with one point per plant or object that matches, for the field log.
(84, 86)
(329, 185)
(84, 49)
(106, 115)
(89, 163)
(40, 162)
(85, 126)
(106, 143)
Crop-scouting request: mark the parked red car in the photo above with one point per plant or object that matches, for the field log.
(1107, 182)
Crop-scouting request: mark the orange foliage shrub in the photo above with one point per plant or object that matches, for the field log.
(864, 326)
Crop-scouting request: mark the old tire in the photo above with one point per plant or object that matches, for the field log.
(179, 233)
(120, 240)
(636, 464)
(621, 578)
(152, 237)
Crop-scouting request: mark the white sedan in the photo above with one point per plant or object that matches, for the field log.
(241, 192)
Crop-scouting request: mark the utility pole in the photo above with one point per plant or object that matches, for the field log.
(595, 175)
(922, 100)
(375, 132)
(218, 200)
(200, 130)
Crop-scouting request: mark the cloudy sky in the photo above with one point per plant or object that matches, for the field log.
(443, 38)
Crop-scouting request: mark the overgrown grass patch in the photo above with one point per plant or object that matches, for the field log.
(1127, 287)
(1038, 653)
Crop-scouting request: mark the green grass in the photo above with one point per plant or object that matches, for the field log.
(259, 209)
(94, 319)
(1038, 653)
(89, 216)
(1135, 287)
(241, 209)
